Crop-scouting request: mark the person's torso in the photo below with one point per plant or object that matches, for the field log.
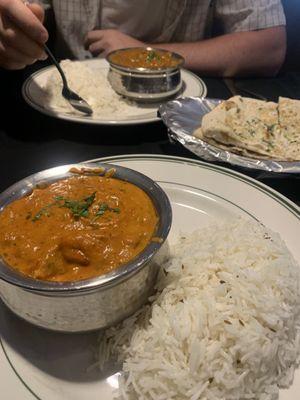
(147, 20)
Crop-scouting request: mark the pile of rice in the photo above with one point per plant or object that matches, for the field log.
(92, 86)
(224, 325)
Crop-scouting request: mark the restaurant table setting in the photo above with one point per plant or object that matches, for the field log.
(203, 184)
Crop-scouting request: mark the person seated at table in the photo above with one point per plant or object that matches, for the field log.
(253, 39)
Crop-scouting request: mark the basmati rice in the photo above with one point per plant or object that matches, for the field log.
(93, 87)
(224, 325)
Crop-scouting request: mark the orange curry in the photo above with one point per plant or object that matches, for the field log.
(144, 58)
(76, 228)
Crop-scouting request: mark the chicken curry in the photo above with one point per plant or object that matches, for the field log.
(76, 228)
(144, 58)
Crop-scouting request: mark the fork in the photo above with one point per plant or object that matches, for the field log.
(76, 101)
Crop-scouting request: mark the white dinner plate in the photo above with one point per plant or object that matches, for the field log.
(37, 364)
(33, 94)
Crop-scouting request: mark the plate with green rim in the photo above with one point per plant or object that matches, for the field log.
(33, 91)
(37, 364)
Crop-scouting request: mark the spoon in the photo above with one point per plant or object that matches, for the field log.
(76, 101)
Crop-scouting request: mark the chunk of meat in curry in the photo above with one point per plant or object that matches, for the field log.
(76, 228)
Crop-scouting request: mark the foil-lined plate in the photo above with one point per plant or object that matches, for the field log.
(184, 115)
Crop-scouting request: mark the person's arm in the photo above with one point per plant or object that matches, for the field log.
(22, 34)
(260, 52)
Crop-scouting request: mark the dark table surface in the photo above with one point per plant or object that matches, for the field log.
(30, 141)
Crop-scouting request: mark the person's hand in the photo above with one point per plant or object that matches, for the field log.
(106, 40)
(22, 34)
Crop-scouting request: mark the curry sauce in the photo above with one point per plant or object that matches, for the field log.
(144, 58)
(76, 228)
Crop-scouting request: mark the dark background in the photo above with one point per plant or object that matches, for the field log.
(292, 13)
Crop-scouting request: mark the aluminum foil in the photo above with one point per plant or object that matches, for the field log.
(184, 115)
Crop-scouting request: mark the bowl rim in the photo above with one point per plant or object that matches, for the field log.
(125, 271)
(142, 69)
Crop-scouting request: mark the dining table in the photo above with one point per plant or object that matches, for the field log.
(37, 364)
(31, 141)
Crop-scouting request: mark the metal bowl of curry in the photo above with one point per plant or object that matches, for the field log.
(81, 244)
(145, 74)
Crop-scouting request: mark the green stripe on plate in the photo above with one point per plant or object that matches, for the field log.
(288, 204)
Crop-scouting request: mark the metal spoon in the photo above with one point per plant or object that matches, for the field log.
(76, 101)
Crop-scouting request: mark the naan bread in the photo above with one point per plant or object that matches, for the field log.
(254, 128)
(289, 120)
(232, 149)
(249, 124)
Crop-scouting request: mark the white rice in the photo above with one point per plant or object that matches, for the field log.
(92, 86)
(225, 324)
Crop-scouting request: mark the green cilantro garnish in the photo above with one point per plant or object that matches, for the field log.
(102, 208)
(43, 211)
(152, 55)
(105, 207)
(79, 208)
(58, 198)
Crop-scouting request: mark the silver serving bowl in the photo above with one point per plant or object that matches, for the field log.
(92, 303)
(145, 84)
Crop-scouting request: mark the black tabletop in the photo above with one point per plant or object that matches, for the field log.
(30, 141)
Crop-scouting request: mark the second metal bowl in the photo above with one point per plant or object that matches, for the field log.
(143, 84)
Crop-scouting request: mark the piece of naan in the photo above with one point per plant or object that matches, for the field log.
(289, 121)
(254, 128)
(227, 147)
(249, 124)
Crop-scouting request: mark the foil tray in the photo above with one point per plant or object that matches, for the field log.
(184, 115)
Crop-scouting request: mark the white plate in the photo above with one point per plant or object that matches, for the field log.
(49, 366)
(33, 94)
